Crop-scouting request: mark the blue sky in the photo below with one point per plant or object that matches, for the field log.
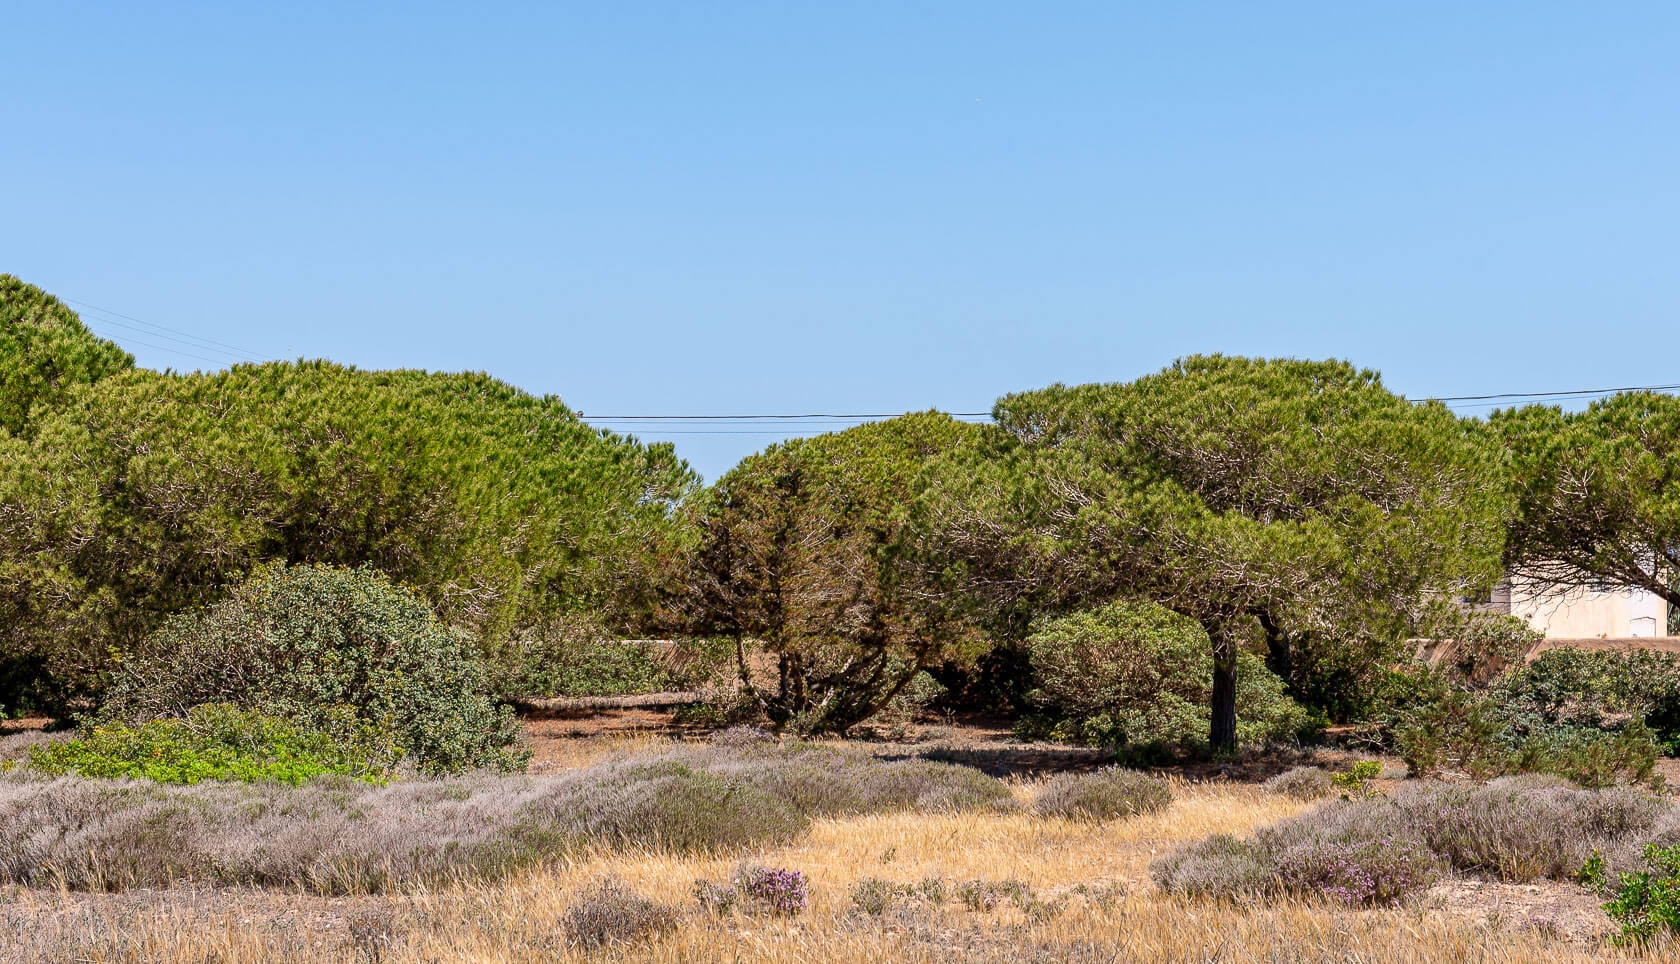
(751, 208)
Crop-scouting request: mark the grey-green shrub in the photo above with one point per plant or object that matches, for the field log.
(1136, 673)
(1107, 794)
(343, 651)
(342, 836)
(1301, 783)
(610, 913)
(1381, 849)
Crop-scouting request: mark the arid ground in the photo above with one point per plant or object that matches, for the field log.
(1059, 890)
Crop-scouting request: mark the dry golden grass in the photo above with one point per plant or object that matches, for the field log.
(520, 919)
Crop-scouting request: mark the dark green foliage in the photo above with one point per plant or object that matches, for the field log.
(1107, 794)
(1647, 902)
(147, 494)
(45, 352)
(1597, 492)
(214, 742)
(815, 549)
(338, 651)
(1480, 736)
(1137, 674)
(1595, 689)
(1300, 495)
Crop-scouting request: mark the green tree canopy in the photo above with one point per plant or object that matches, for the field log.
(148, 493)
(1226, 489)
(45, 351)
(1598, 493)
(813, 548)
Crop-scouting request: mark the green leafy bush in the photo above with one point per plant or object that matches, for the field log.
(1135, 674)
(340, 651)
(214, 742)
(1482, 735)
(1595, 690)
(1647, 902)
(1107, 794)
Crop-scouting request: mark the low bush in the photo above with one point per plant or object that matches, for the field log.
(336, 835)
(1378, 850)
(1647, 901)
(340, 651)
(1358, 871)
(1135, 673)
(214, 742)
(1107, 794)
(1216, 866)
(1595, 690)
(778, 891)
(1301, 783)
(612, 914)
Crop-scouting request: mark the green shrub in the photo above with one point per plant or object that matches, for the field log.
(341, 651)
(1595, 690)
(1647, 903)
(215, 742)
(1107, 794)
(1480, 735)
(570, 655)
(1355, 782)
(1135, 673)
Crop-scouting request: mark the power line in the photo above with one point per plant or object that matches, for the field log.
(1579, 391)
(169, 334)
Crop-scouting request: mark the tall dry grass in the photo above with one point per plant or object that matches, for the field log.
(523, 918)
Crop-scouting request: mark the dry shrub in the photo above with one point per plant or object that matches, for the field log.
(338, 836)
(1216, 866)
(1107, 794)
(1301, 783)
(1379, 850)
(612, 914)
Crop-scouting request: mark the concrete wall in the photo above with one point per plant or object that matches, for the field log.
(1588, 613)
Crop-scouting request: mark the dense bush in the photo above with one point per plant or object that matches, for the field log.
(214, 742)
(1135, 673)
(333, 835)
(1484, 735)
(1301, 783)
(1599, 690)
(612, 914)
(1107, 794)
(339, 651)
(1377, 850)
(146, 494)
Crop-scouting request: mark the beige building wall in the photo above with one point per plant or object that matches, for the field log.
(1588, 613)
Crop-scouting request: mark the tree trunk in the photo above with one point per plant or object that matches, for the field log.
(1280, 654)
(1222, 731)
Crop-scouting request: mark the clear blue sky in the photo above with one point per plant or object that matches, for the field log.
(782, 207)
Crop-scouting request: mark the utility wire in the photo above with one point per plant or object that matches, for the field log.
(169, 334)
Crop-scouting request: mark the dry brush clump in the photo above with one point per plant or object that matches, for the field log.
(1107, 794)
(341, 836)
(1375, 851)
(1301, 783)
